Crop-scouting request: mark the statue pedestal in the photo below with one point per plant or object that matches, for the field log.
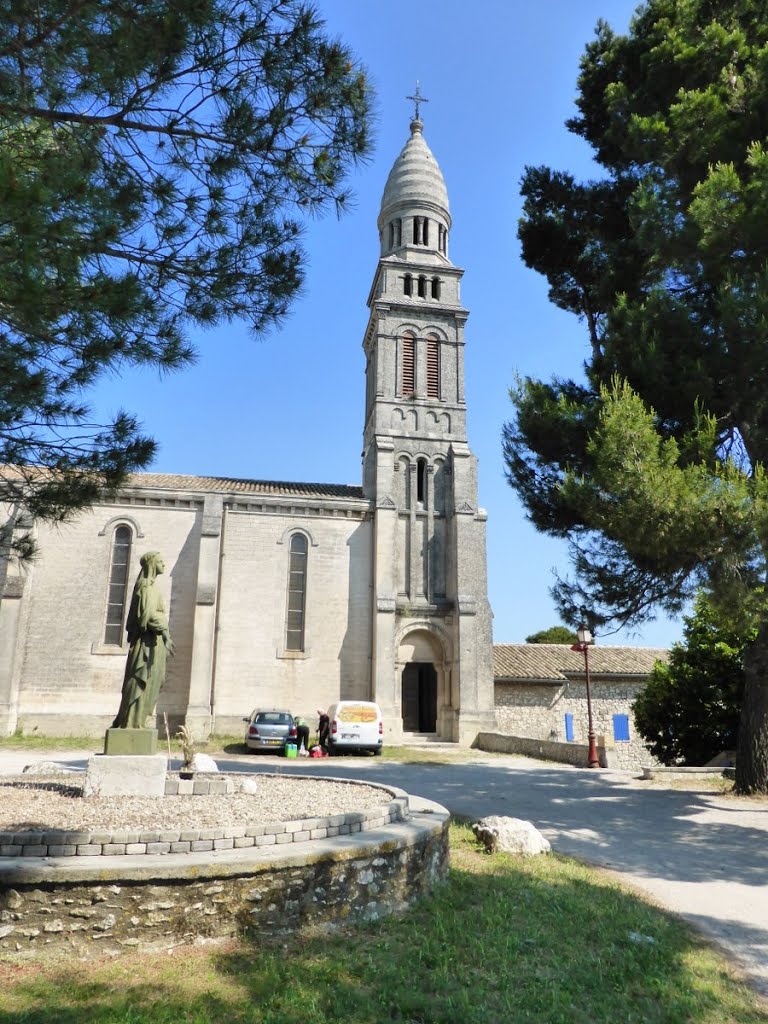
(126, 775)
(130, 741)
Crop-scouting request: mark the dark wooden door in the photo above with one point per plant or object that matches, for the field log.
(419, 697)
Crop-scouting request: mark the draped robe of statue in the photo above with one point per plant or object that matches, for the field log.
(150, 643)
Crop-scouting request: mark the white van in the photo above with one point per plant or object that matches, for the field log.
(355, 725)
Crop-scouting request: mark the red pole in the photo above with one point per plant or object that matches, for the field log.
(593, 761)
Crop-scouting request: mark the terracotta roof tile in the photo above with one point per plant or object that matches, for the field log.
(225, 484)
(229, 485)
(554, 662)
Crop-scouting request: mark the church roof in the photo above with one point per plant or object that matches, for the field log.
(180, 482)
(415, 178)
(525, 663)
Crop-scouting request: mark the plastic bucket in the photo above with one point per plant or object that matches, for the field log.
(291, 750)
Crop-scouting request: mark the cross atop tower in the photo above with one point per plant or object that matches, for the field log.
(417, 99)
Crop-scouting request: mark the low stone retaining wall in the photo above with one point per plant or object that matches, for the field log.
(86, 905)
(685, 772)
(549, 750)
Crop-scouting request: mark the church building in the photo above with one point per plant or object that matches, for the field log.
(293, 595)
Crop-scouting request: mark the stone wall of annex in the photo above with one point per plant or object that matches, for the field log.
(538, 711)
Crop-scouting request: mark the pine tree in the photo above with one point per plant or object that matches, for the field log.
(652, 467)
(155, 161)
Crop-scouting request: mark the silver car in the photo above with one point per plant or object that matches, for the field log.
(268, 730)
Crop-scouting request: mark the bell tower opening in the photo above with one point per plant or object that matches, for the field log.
(419, 697)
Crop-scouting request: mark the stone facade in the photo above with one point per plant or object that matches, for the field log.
(540, 693)
(294, 595)
(539, 711)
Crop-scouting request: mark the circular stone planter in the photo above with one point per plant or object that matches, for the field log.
(106, 900)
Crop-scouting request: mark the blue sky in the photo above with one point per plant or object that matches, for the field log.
(500, 76)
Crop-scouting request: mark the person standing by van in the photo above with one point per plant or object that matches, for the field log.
(323, 728)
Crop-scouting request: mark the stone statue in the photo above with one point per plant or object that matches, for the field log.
(150, 643)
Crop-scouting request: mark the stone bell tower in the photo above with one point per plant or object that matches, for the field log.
(432, 645)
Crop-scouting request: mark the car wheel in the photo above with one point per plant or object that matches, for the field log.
(377, 751)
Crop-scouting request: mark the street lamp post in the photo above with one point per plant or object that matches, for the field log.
(582, 647)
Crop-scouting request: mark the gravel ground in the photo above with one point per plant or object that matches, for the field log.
(54, 804)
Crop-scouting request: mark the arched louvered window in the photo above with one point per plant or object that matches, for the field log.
(422, 287)
(435, 287)
(408, 285)
(117, 590)
(297, 593)
(409, 365)
(425, 232)
(433, 367)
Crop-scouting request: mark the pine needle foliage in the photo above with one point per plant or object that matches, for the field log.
(156, 162)
(653, 466)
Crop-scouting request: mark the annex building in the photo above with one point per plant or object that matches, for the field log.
(293, 594)
(540, 694)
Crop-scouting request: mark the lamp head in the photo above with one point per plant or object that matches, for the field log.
(584, 635)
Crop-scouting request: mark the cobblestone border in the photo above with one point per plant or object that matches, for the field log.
(61, 843)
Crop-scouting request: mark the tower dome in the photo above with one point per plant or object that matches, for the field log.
(414, 195)
(415, 177)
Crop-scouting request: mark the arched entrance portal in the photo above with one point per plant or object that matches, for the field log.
(425, 702)
(419, 697)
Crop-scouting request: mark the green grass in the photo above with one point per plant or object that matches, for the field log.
(226, 744)
(413, 755)
(535, 941)
(708, 784)
(223, 744)
(429, 755)
(33, 742)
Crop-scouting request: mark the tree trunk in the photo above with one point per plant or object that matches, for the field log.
(752, 752)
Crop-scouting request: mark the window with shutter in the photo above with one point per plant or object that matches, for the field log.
(409, 374)
(433, 368)
(621, 728)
